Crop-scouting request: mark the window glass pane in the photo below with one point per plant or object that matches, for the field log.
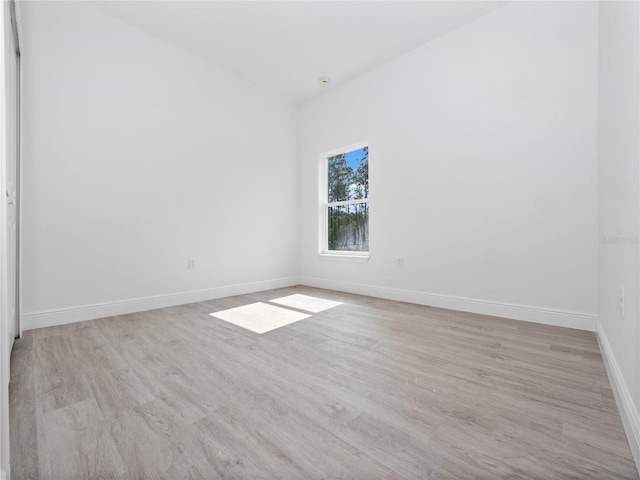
(348, 227)
(348, 176)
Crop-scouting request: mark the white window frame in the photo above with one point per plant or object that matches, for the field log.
(323, 194)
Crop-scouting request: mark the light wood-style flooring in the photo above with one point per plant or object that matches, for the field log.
(371, 389)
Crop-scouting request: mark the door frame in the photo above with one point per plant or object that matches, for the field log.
(18, 153)
(9, 18)
(5, 348)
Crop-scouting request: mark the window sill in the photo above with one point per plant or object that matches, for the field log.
(344, 257)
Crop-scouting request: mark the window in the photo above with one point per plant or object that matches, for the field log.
(345, 202)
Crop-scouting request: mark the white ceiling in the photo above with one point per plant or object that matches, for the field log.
(286, 46)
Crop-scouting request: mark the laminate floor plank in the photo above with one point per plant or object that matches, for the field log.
(235, 450)
(74, 443)
(149, 441)
(59, 381)
(159, 378)
(395, 447)
(22, 404)
(319, 453)
(367, 389)
(114, 385)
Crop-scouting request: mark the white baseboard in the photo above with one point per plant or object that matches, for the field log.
(560, 318)
(628, 410)
(50, 318)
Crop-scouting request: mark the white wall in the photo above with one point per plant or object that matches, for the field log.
(138, 156)
(482, 168)
(619, 209)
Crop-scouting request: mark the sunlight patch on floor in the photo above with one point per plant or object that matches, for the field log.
(260, 317)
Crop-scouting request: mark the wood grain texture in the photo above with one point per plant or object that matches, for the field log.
(367, 389)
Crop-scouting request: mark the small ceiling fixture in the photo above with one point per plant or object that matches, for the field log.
(324, 80)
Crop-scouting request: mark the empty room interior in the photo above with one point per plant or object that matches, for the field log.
(320, 239)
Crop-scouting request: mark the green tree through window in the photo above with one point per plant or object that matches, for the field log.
(347, 207)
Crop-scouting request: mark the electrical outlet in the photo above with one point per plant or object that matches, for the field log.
(399, 262)
(191, 263)
(621, 301)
